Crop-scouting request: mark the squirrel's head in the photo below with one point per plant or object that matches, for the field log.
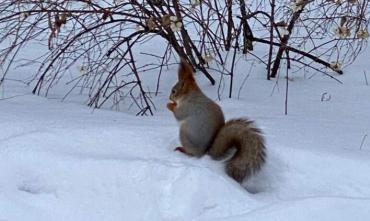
(186, 82)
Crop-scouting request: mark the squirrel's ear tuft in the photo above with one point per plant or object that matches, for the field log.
(185, 71)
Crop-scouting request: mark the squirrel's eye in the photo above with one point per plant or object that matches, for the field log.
(173, 91)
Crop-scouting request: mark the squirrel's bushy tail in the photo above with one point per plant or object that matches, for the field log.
(250, 148)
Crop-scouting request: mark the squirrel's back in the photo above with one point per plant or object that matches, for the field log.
(250, 153)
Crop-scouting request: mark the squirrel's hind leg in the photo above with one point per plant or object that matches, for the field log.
(190, 146)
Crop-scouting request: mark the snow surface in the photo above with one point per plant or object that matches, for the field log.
(65, 161)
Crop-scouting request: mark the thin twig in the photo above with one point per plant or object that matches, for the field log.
(363, 141)
(365, 75)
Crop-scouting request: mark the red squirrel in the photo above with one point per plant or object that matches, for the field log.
(203, 129)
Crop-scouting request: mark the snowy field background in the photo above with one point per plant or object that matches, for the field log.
(65, 161)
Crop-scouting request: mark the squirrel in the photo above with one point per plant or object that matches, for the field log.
(203, 129)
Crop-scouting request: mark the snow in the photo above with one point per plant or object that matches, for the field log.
(65, 161)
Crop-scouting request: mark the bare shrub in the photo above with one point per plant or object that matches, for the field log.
(101, 38)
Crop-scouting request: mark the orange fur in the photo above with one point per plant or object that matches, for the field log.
(171, 106)
(186, 75)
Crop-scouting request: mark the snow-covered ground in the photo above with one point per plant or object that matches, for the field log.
(65, 161)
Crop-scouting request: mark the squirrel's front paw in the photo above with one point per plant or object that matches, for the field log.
(182, 150)
(171, 106)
